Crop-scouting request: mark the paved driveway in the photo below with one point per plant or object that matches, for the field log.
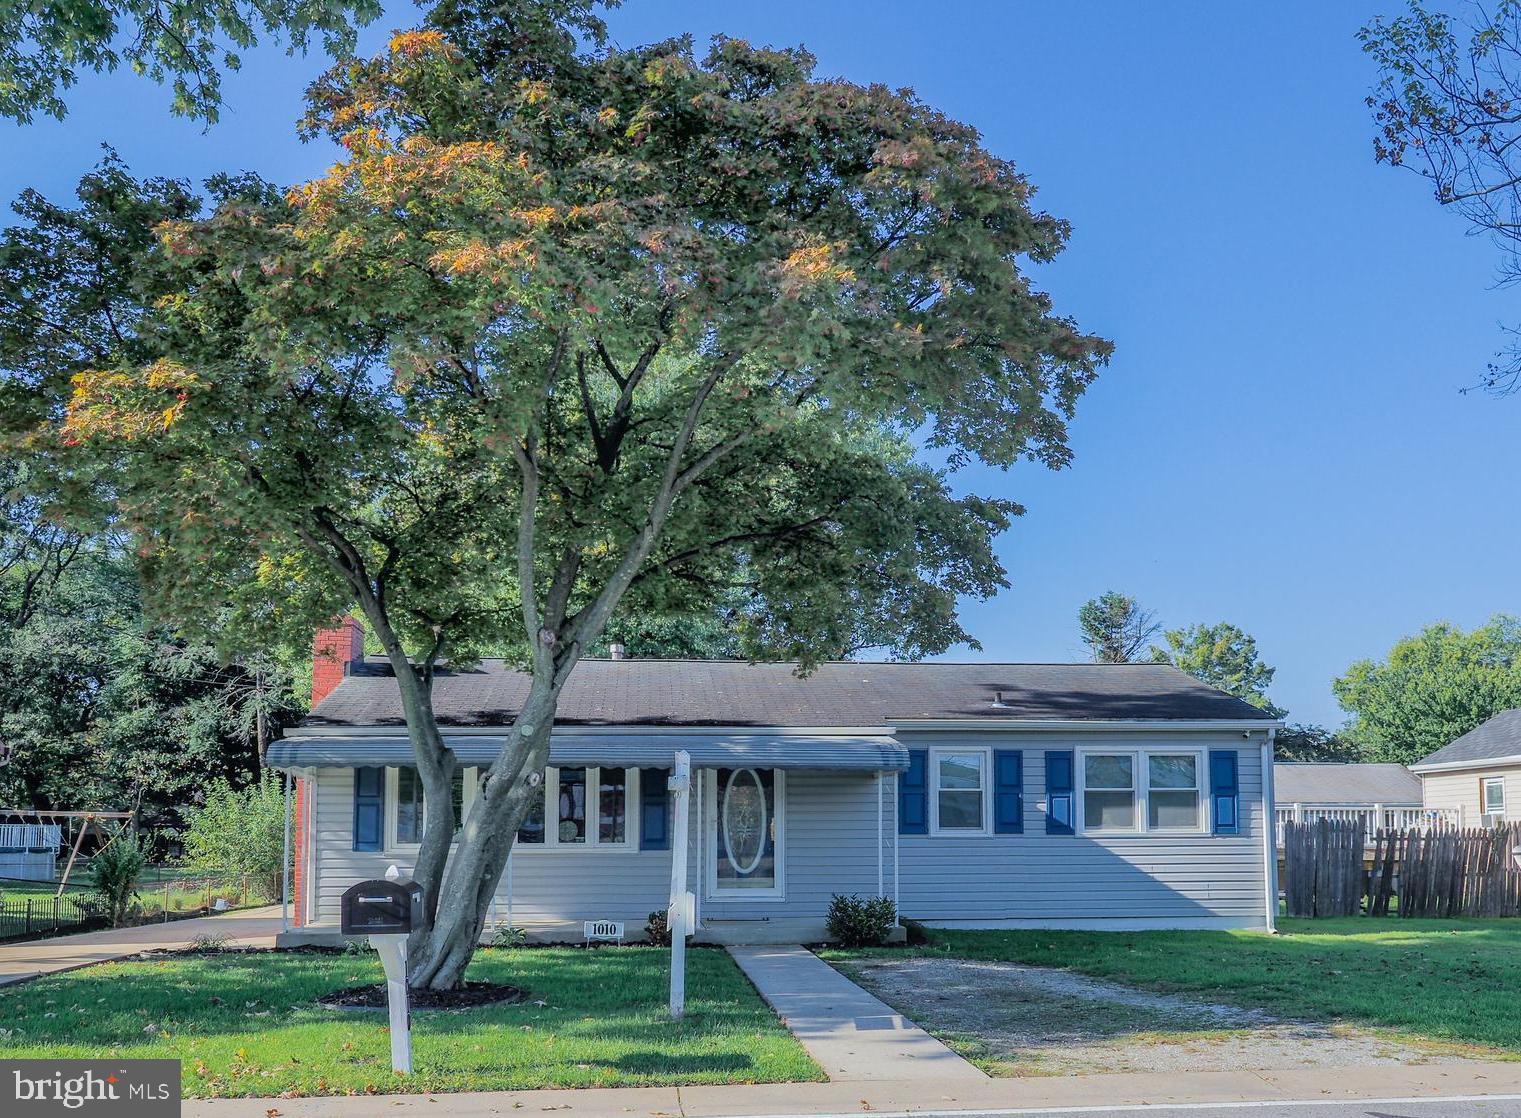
(251, 927)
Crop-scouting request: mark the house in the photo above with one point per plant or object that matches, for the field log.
(1381, 795)
(1477, 778)
(975, 795)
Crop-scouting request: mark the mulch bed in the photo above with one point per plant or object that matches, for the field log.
(471, 995)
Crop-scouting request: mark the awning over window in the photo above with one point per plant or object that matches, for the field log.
(643, 750)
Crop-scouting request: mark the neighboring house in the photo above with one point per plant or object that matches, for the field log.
(1381, 795)
(1477, 777)
(975, 795)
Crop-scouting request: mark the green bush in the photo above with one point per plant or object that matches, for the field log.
(114, 872)
(238, 836)
(856, 921)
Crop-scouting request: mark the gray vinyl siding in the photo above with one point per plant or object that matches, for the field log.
(1084, 878)
(831, 846)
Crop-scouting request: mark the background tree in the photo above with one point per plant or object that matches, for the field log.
(238, 835)
(1307, 742)
(1431, 688)
(1115, 629)
(45, 47)
(1448, 106)
(573, 329)
(1223, 656)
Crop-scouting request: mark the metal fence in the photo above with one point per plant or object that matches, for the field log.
(27, 917)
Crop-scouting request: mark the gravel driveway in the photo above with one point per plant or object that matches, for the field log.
(1020, 1020)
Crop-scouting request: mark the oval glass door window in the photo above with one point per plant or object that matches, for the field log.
(746, 831)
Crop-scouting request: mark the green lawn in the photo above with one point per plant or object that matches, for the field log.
(245, 1024)
(1445, 980)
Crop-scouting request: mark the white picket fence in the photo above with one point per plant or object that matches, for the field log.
(1373, 816)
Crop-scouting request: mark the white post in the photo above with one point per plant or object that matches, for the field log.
(393, 956)
(1269, 846)
(897, 778)
(285, 863)
(680, 911)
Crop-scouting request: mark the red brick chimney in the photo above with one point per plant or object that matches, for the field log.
(335, 650)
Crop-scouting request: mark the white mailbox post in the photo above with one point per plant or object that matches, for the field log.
(386, 912)
(679, 916)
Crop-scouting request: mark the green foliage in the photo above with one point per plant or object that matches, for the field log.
(239, 835)
(856, 921)
(1222, 656)
(1306, 742)
(658, 929)
(1432, 688)
(45, 47)
(1115, 629)
(1445, 108)
(114, 874)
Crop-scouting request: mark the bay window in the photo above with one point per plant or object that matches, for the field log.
(582, 807)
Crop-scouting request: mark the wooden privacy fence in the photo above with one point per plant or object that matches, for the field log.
(1431, 871)
(1323, 867)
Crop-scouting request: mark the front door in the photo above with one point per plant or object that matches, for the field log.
(745, 834)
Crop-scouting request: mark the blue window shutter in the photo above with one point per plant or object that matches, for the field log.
(1008, 792)
(1224, 792)
(1059, 789)
(913, 795)
(654, 814)
(369, 807)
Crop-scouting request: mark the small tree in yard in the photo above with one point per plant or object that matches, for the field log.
(574, 330)
(238, 835)
(114, 874)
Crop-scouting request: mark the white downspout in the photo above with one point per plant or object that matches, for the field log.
(1269, 838)
(897, 839)
(285, 863)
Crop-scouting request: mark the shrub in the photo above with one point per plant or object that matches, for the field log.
(657, 929)
(239, 835)
(506, 935)
(114, 872)
(857, 921)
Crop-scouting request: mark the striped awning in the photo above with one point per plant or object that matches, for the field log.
(640, 750)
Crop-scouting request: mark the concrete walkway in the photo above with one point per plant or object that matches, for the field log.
(249, 927)
(853, 1036)
(919, 1096)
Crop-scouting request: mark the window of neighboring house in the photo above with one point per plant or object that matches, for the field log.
(960, 779)
(584, 807)
(410, 806)
(1143, 792)
(1492, 800)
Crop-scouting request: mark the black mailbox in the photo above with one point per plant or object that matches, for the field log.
(381, 908)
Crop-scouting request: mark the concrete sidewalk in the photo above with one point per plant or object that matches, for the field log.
(853, 1035)
(918, 1096)
(250, 927)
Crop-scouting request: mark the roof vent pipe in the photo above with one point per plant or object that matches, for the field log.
(998, 699)
(617, 651)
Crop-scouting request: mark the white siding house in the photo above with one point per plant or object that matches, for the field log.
(975, 795)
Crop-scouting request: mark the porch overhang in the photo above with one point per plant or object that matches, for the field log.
(328, 748)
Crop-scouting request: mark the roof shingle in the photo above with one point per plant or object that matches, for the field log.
(734, 693)
(1499, 737)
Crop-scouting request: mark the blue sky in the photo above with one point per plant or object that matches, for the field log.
(1281, 440)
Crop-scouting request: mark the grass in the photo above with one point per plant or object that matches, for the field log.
(244, 1024)
(1452, 981)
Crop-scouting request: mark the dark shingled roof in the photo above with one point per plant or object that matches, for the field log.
(1335, 783)
(730, 693)
(1499, 737)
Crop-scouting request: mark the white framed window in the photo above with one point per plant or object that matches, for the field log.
(959, 798)
(584, 807)
(405, 808)
(1492, 800)
(1141, 791)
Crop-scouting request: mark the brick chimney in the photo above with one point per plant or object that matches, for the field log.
(335, 650)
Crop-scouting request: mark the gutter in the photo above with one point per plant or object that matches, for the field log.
(1478, 763)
